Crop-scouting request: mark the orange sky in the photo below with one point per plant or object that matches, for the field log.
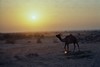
(51, 15)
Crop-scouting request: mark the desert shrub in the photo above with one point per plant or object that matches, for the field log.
(39, 40)
(18, 57)
(28, 41)
(55, 41)
(10, 41)
(32, 55)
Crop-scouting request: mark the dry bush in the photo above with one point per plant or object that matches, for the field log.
(10, 41)
(55, 41)
(18, 57)
(39, 40)
(32, 55)
(28, 41)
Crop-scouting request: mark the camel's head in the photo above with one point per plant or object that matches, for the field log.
(58, 35)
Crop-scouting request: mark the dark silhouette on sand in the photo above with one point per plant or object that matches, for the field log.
(70, 39)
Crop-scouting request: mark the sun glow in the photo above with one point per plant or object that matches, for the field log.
(36, 20)
(34, 17)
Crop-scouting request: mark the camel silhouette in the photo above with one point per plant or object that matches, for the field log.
(69, 39)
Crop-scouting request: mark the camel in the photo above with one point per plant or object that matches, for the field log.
(69, 39)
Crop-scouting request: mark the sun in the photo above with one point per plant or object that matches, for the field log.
(33, 17)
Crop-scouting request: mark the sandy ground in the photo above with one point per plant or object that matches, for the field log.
(48, 54)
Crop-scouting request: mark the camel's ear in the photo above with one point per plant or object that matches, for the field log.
(57, 35)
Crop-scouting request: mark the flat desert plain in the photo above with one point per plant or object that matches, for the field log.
(48, 51)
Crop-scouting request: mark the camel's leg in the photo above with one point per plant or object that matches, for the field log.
(74, 47)
(65, 47)
(78, 46)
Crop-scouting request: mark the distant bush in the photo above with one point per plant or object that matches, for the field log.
(55, 41)
(10, 41)
(28, 41)
(18, 57)
(32, 55)
(39, 40)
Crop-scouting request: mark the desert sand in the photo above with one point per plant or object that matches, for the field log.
(49, 52)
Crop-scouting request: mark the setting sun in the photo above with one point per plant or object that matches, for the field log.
(33, 17)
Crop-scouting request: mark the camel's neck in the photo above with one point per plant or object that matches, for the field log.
(60, 39)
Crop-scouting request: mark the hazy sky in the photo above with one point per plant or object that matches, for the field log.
(49, 15)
